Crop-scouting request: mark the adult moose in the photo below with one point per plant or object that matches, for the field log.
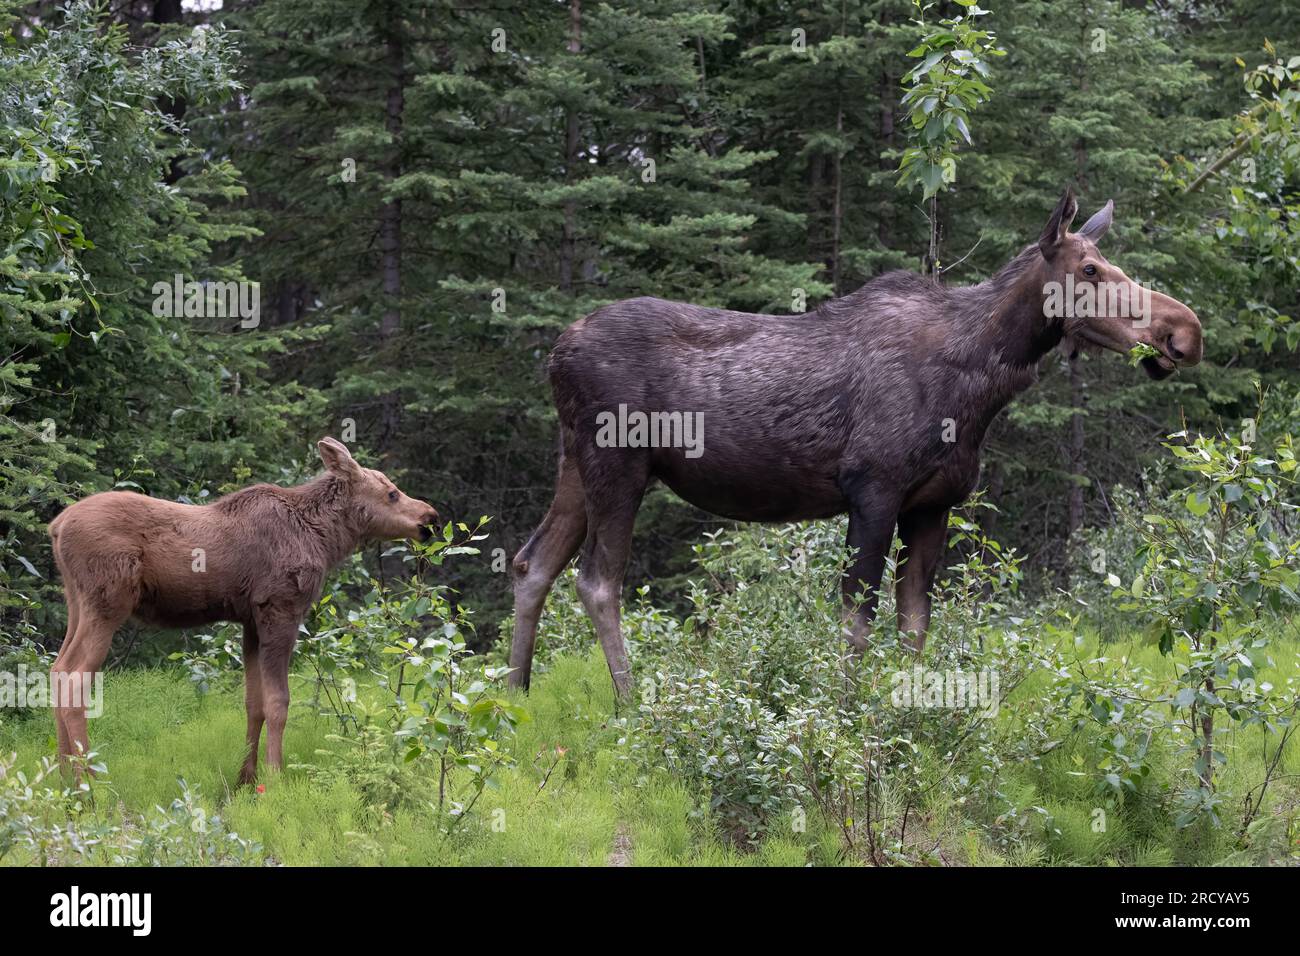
(876, 404)
(258, 557)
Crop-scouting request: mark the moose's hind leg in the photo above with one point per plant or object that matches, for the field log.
(73, 679)
(924, 534)
(614, 486)
(252, 703)
(539, 563)
(105, 596)
(73, 608)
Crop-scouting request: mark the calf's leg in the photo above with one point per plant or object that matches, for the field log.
(73, 677)
(539, 563)
(73, 607)
(276, 637)
(252, 703)
(924, 534)
(103, 597)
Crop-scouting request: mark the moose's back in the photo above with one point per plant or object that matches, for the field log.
(787, 404)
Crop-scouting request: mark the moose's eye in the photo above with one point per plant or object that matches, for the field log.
(392, 496)
(1090, 270)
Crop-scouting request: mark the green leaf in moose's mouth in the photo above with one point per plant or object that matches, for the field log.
(1140, 351)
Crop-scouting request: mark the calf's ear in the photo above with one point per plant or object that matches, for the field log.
(336, 456)
(1058, 224)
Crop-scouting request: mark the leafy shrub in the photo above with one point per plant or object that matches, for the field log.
(752, 698)
(49, 824)
(1218, 566)
(22, 656)
(439, 724)
(212, 659)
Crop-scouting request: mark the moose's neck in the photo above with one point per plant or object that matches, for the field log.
(327, 511)
(1015, 328)
(1001, 333)
(1021, 332)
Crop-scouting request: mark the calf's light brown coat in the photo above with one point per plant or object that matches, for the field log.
(257, 557)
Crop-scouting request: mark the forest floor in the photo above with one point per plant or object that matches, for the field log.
(573, 798)
(569, 801)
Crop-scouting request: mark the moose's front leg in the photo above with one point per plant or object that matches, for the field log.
(871, 532)
(924, 533)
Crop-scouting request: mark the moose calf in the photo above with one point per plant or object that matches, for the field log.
(257, 557)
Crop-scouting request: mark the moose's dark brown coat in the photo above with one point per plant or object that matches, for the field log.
(875, 404)
(257, 557)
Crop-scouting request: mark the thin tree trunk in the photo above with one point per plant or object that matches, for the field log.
(1207, 742)
(170, 11)
(837, 208)
(569, 243)
(1075, 451)
(816, 209)
(886, 91)
(289, 297)
(1075, 456)
(837, 212)
(932, 257)
(390, 229)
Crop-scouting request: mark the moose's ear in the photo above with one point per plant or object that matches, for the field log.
(336, 456)
(1058, 224)
(1096, 227)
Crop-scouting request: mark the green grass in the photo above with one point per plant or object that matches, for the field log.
(157, 728)
(1142, 832)
(587, 805)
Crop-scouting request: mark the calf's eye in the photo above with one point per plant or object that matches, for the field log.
(1090, 270)
(392, 496)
